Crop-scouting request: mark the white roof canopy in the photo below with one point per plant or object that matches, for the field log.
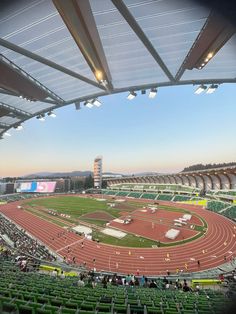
(55, 53)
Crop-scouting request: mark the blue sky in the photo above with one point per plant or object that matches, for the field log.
(176, 129)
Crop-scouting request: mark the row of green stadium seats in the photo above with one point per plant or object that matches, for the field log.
(150, 196)
(230, 212)
(181, 198)
(216, 206)
(165, 197)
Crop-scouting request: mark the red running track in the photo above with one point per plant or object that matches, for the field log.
(210, 250)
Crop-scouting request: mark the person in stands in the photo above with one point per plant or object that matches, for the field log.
(153, 284)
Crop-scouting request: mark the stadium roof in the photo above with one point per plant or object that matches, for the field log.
(55, 53)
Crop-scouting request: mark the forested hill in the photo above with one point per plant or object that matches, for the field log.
(208, 166)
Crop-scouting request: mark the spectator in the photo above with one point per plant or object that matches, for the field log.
(23, 243)
(146, 283)
(152, 284)
(54, 273)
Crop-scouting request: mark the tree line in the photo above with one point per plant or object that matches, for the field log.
(208, 166)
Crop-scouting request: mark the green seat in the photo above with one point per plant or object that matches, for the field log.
(5, 299)
(72, 305)
(51, 308)
(43, 311)
(170, 311)
(133, 302)
(29, 297)
(104, 307)
(57, 302)
(88, 306)
(35, 305)
(25, 309)
(6, 293)
(136, 309)
(8, 307)
(154, 310)
(17, 295)
(147, 303)
(118, 308)
(68, 311)
(43, 300)
(119, 301)
(19, 302)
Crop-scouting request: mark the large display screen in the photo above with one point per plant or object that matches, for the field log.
(36, 187)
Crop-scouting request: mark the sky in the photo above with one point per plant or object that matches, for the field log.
(175, 129)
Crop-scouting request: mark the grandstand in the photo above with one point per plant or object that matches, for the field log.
(210, 181)
(152, 188)
(39, 293)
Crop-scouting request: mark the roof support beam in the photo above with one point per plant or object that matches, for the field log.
(10, 93)
(181, 179)
(121, 7)
(19, 81)
(229, 180)
(213, 36)
(47, 62)
(4, 125)
(195, 179)
(79, 19)
(187, 177)
(14, 110)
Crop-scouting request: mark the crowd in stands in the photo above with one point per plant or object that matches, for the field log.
(21, 242)
(91, 280)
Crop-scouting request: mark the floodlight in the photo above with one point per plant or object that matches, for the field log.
(211, 89)
(104, 83)
(216, 32)
(200, 89)
(152, 93)
(96, 103)
(131, 95)
(99, 75)
(18, 127)
(52, 114)
(41, 117)
(88, 104)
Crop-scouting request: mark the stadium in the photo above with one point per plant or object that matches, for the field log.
(112, 243)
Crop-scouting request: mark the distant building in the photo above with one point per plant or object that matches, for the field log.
(97, 172)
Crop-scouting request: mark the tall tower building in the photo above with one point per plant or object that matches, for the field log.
(97, 172)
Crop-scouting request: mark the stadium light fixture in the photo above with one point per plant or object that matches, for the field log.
(88, 104)
(152, 93)
(200, 89)
(7, 134)
(99, 75)
(18, 127)
(131, 95)
(211, 89)
(41, 117)
(52, 114)
(96, 103)
(216, 32)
